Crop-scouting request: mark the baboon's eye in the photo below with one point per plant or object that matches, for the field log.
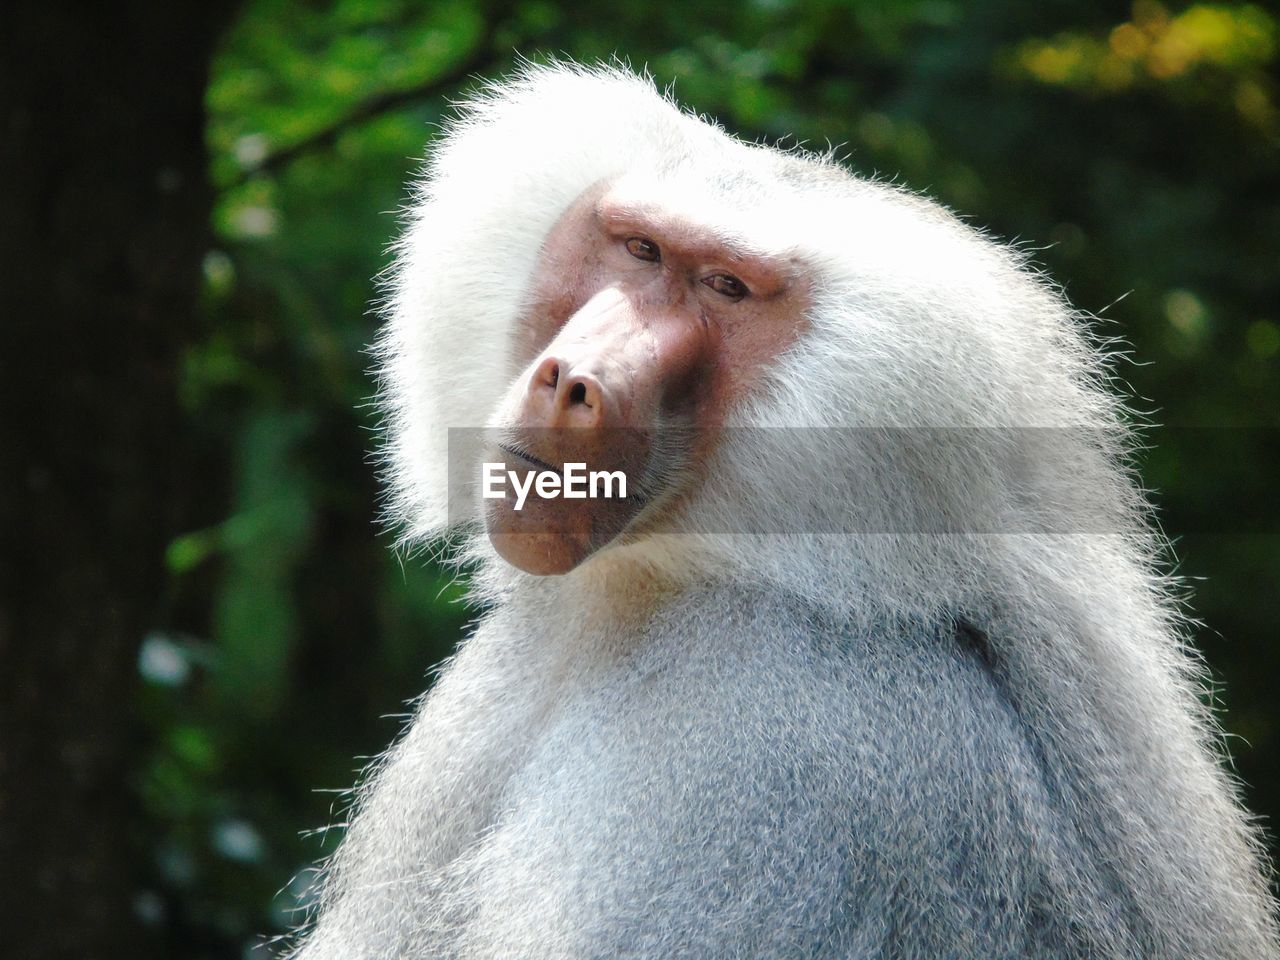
(643, 249)
(727, 284)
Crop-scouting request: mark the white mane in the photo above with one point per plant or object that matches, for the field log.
(986, 479)
(919, 322)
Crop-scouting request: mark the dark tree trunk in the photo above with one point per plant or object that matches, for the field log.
(104, 214)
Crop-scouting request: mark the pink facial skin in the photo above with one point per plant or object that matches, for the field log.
(639, 321)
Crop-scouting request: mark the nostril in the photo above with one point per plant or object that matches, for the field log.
(578, 394)
(547, 375)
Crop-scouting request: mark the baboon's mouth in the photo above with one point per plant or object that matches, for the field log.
(528, 458)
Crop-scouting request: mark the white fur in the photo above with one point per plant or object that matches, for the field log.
(918, 322)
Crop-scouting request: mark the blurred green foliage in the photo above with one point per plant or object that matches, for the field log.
(1135, 149)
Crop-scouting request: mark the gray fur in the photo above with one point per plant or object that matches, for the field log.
(860, 745)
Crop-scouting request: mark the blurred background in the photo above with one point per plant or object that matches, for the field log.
(203, 635)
